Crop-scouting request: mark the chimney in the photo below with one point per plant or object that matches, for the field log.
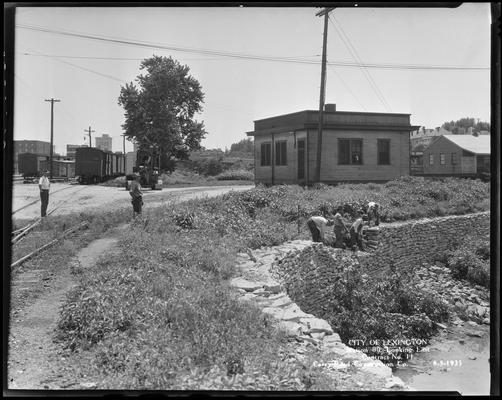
(330, 107)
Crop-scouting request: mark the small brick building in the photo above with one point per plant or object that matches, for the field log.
(356, 147)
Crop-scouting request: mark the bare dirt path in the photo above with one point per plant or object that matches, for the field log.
(33, 357)
(78, 198)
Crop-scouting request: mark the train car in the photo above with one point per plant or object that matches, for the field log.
(29, 165)
(61, 169)
(94, 165)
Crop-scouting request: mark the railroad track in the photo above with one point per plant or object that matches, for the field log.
(21, 233)
(52, 242)
(38, 199)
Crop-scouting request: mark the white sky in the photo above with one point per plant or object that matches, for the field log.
(239, 91)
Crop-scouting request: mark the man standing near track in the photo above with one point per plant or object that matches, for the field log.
(44, 185)
(137, 195)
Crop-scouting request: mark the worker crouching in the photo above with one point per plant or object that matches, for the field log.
(317, 226)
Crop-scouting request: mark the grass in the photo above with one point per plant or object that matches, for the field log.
(469, 260)
(161, 315)
(381, 308)
(189, 179)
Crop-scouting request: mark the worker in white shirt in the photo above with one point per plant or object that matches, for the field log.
(373, 213)
(44, 185)
(317, 226)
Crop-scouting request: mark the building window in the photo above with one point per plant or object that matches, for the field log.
(280, 153)
(383, 151)
(350, 151)
(431, 159)
(266, 149)
(442, 158)
(454, 160)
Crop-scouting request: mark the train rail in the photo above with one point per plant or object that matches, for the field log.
(52, 242)
(38, 199)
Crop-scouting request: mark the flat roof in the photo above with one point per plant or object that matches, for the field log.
(332, 112)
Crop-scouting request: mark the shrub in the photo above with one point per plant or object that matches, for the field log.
(384, 307)
(236, 175)
(465, 263)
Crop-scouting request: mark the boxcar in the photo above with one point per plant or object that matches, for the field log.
(94, 165)
(60, 168)
(30, 165)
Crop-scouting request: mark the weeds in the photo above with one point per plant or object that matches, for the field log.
(160, 315)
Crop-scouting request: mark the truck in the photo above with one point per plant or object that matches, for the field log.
(147, 167)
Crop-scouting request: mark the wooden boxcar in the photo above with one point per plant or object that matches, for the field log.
(30, 165)
(61, 169)
(94, 165)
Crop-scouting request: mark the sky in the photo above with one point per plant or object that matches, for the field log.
(252, 63)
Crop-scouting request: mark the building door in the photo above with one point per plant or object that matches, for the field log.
(468, 165)
(301, 159)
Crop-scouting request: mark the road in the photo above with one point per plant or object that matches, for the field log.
(67, 199)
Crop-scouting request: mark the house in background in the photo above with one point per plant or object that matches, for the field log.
(356, 147)
(457, 155)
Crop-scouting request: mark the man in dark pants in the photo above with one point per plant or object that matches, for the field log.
(44, 185)
(137, 195)
(356, 232)
(317, 226)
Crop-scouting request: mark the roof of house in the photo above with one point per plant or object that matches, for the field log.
(473, 144)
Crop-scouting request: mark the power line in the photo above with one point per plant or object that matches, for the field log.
(159, 46)
(235, 55)
(353, 52)
(80, 67)
(346, 86)
(347, 64)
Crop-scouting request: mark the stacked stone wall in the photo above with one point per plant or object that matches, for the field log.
(403, 245)
(413, 242)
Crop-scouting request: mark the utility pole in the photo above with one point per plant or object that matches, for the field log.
(325, 12)
(124, 144)
(52, 134)
(89, 131)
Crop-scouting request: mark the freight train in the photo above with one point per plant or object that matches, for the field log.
(31, 165)
(93, 165)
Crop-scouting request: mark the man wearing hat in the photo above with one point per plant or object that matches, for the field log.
(44, 185)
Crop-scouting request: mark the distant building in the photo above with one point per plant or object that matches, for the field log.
(104, 142)
(71, 149)
(356, 146)
(423, 137)
(457, 155)
(30, 146)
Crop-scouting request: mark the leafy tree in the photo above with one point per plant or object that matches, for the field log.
(245, 146)
(160, 109)
(461, 126)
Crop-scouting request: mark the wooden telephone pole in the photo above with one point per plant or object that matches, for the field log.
(52, 134)
(89, 131)
(325, 12)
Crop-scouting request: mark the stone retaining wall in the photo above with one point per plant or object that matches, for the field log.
(257, 285)
(413, 242)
